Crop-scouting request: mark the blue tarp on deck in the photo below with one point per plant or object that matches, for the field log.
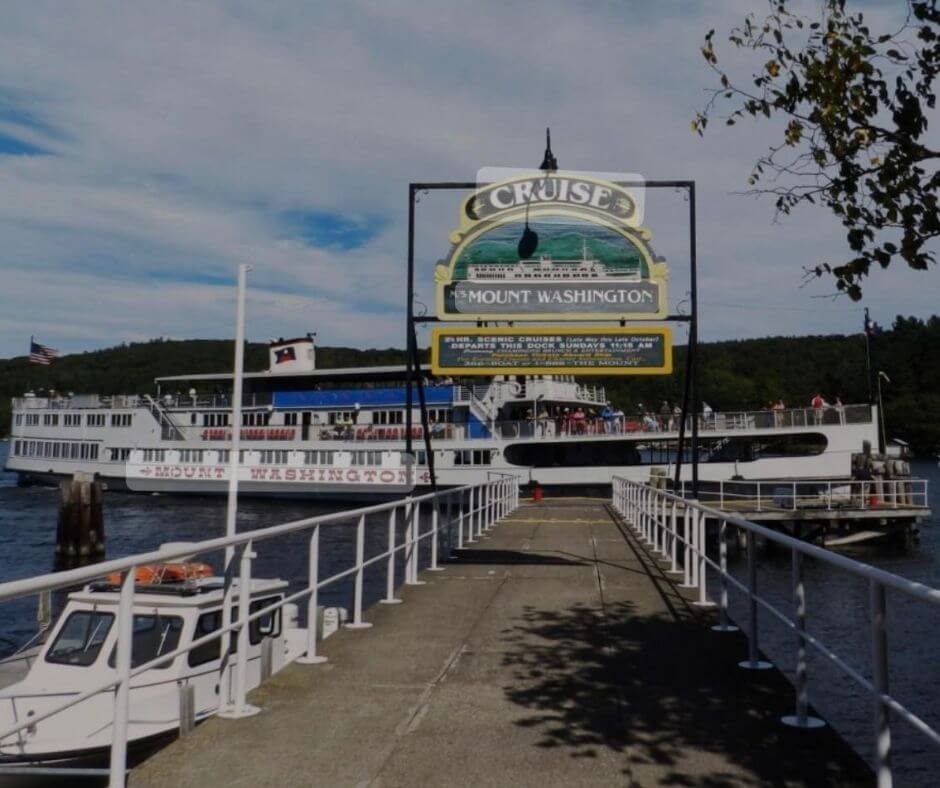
(365, 398)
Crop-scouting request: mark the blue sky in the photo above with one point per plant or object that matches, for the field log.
(148, 149)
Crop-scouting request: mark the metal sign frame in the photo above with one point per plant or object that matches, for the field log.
(691, 400)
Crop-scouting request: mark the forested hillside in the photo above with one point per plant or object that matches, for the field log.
(745, 374)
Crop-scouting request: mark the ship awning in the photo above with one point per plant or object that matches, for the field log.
(272, 381)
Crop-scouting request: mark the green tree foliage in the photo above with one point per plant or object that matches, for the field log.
(744, 374)
(749, 374)
(855, 105)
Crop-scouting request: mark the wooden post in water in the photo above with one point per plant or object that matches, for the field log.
(80, 527)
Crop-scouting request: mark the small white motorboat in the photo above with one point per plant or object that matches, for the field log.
(170, 610)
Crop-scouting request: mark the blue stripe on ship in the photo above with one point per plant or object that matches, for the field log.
(365, 398)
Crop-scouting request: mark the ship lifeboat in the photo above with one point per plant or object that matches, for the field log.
(156, 574)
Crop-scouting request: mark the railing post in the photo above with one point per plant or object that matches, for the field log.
(879, 658)
(313, 616)
(673, 539)
(240, 707)
(490, 502)
(801, 719)
(687, 560)
(390, 598)
(753, 661)
(758, 496)
(703, 600)
(435, 517)
(125, 635)
(724, 623)
(357, 622)
(721, 494)
(663, 531)
(460, 518)
(470, 516)
(414, 555)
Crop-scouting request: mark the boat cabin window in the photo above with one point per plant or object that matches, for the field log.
(206, 624)
(153, 636)
(268, 625)
(80, 640)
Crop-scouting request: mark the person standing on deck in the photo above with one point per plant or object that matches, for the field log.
(819, 404)
(607, 414)
(664, 412)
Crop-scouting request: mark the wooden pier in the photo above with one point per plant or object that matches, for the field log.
(553, 651)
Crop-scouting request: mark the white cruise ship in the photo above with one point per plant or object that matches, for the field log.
(341, 432)
(587, 269)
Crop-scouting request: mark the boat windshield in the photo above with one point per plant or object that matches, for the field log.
(80, 640)
(153, 636)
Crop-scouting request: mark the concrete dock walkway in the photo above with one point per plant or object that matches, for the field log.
(553, 652)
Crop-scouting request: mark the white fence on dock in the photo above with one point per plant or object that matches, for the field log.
(464, 512)
(675, 527)
(834, 495)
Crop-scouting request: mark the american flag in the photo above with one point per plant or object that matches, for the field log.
(40, 354)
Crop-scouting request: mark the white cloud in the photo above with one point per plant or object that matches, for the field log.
(178, 132)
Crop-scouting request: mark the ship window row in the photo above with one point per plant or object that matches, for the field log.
(120, 454)
(154, 455)
(73, 419)
(191, 455)
(473, 457)
(388, 417)
(56, 450)
(366, 458)
(215, 419)
(274, 457)
(318, 457)
(256, 419)
(663, 452)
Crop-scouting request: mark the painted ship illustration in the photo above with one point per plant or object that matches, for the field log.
(547, 269)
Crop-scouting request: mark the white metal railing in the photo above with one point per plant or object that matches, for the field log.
(831, 495)
(676, 528)
(470, 510)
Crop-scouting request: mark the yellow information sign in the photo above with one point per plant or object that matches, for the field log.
(551, 351)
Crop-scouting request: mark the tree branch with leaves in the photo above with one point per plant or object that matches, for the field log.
(856, 105)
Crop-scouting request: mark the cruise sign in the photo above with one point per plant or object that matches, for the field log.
(558, 246)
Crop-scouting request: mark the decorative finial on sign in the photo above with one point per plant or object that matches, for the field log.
(549, 162)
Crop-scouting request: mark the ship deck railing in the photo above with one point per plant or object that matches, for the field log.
(560, 428)
(451, 518)
(675, 528)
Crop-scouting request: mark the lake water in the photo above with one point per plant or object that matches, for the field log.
(837, 604)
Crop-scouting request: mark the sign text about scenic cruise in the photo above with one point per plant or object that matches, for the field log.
(547, 351)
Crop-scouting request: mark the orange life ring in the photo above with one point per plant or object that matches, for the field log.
(155, 574)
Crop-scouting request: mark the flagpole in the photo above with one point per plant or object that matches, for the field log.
(226, 699)
(868, 329)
